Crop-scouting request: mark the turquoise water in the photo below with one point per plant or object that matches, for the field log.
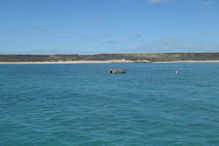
(82, 104)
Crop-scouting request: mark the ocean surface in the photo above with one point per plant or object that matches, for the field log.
(82, 104)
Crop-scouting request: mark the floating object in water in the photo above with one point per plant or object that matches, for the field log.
(117, 71)
(176, 71)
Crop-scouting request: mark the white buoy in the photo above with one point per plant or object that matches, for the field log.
(176, 71)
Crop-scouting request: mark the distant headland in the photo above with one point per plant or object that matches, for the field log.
(109, 58)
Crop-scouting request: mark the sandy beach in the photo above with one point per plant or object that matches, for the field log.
(109, 61)
(189, 61)
(72, 62)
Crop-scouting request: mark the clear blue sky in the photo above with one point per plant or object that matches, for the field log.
(108, 26)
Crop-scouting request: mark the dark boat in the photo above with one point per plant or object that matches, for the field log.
(117, 71)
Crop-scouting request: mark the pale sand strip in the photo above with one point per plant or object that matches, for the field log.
(189, 61)
(109, 61)
(71, 62)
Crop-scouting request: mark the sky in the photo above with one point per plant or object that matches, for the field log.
(108, 26)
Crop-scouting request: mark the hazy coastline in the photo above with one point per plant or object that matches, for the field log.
(111, 58)
(71, 62)
(108, 61)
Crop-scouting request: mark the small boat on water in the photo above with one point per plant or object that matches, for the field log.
(117, 71)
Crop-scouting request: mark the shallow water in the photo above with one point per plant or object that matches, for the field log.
(82, 104)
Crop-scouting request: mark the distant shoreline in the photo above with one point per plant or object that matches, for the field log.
(109, 61)
(109, 58)
(72, 62)
(189, 61)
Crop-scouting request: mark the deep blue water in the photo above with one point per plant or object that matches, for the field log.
(82, 104)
